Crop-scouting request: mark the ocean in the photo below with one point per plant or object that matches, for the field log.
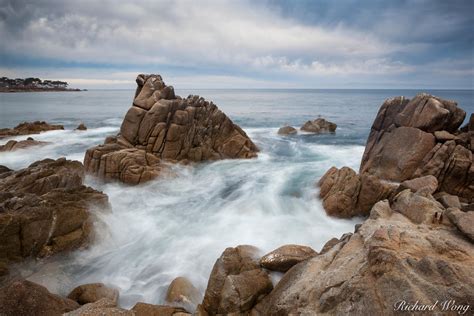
(179, 226)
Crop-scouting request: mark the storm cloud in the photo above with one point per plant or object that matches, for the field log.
(309, 44)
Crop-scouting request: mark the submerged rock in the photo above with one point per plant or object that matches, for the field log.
(285, 257)
(163, 127)
(27, 128)
(319, 126)
(236, 282)
(25, 298)
(287, 130)
(45, 209)
(13, 145)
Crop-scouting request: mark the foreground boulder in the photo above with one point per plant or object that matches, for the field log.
(163, 127)
(284, 257)
(182, 292)
(236, 282)
(13, 145)
(25, 298)
(102, 307)
(319, 126)
(45, 209)
(27, 128)
(144, 309)
(389, 259)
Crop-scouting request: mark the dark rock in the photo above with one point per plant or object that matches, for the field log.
(81, 127)
(27, 128)
(285, 257)
(319, 126)
(287, 130)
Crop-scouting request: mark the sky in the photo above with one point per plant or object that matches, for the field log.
(241, 44)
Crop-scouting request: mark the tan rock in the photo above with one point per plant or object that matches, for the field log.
(143, 309)
(287, 130)
(285, 257)
(388, 259)
(448, 200)
(236, 282)
(417, 207)
(429, 183)
(28, 128)
(13, 145)
(464, 221)
(162, 127)
(90, 293)
(102, 307)
(443, 136)
(319, 126)
(25, 298)
(182, 292)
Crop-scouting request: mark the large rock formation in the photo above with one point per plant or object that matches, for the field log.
(409, 139)
(390, 259)
(44, 209)
(27, 128)
(163, 127)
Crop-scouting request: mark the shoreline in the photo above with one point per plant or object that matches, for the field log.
(3, 90)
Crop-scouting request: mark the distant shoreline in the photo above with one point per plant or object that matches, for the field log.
(19, 90)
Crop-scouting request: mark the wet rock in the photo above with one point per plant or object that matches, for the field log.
(287, 130)
(236, 282)
(143, 309)
(102, 307)
(25, 298)
(90, 293)
(464, 221)
(46, 209)
(163, 127)
(13, 145)
(389, 258)
(182, 292)
(285, 257)
(319, 126)
(81, 127)
(27, 128)
(428, 183)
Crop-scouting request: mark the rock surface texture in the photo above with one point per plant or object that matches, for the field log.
(390, 258)
(160, 127)
(44, 209)
(414, 142)
(27, 128)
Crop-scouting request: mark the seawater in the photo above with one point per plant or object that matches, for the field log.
(179, 226)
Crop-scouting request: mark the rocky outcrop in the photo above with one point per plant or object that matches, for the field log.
(287, 130)
(388, 259)
(319, 126)
(81, 127)
(45, 209)
(25, 298)
(284, 257)
(13, 145)
(347, 194)
(236, 282)
(163, 127)
(27, 128)
(90, 293)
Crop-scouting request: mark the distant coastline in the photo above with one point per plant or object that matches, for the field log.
(31, 84)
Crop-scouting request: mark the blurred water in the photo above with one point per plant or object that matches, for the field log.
(179, 226)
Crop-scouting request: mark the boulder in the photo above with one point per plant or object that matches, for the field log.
(428, 183)
(102, 307)
(183, 293)
(443, 136)
(161, 127)
(319, 126)
(287, 130)
(27, 128)
(346, 194)
(448, 200)
(13, 145)
(236, 282)
(285, 257)
(143, 309)
(90, 293)
(329, 244)
(81, 127)
(388, 259)
(45, 209)
(25, 298)
(464, 221)
(418, 207)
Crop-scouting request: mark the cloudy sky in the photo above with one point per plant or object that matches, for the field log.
(241, 44)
